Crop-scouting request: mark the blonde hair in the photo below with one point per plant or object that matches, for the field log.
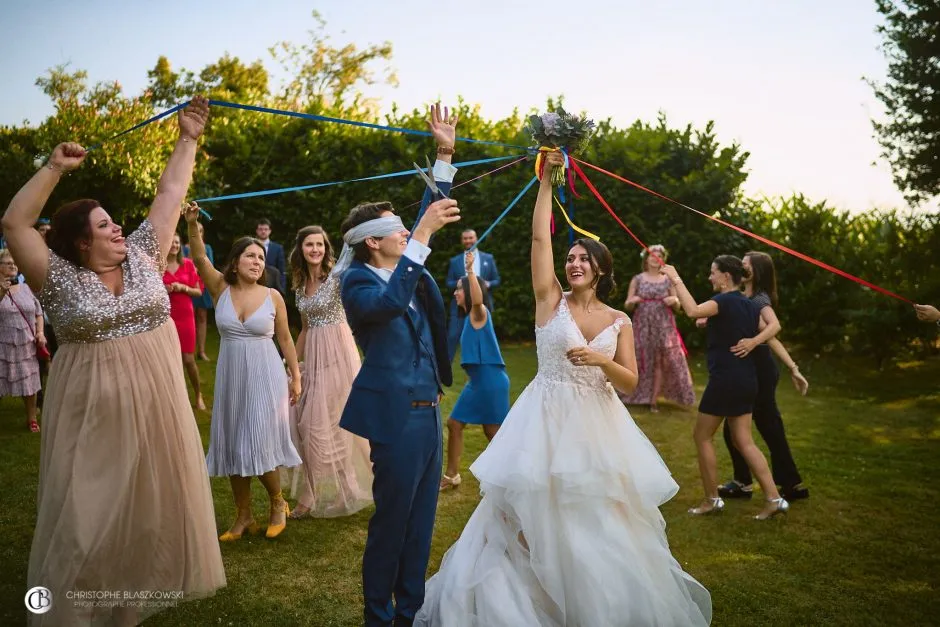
(660, 251)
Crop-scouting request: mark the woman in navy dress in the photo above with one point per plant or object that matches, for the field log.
(760, 285)
(732, 381)
(485, 399)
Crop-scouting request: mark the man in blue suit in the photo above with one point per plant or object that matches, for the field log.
(273, 252)
(396, 313)
(484, 266)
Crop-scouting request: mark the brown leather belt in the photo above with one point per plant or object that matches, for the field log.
(416, 404)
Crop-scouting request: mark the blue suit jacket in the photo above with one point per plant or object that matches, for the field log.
(275, 257)
(384, 328)
(488, 273)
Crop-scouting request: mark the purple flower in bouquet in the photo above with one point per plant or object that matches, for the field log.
(560, 129)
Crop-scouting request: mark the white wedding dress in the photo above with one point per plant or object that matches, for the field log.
(568, 532)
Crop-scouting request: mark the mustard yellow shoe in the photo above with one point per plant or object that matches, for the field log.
(231, 536)
(275, 530)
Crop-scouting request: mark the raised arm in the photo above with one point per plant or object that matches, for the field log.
(692, 309)
(25, 243)
(443, 127)
(212, 278)
(174, 182)
(544, 282)
(478, 311)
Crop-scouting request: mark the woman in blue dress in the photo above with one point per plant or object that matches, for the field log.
(732, 381)
(485, 399)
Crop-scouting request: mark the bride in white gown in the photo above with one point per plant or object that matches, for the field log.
(568, 532)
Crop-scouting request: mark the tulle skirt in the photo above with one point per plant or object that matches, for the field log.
(336, 476)
(568, 532)
(124, 499)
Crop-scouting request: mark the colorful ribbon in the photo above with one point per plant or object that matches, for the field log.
(760, 238)
(324, 118)
(505, 211)
(284, 190)
(574, 226)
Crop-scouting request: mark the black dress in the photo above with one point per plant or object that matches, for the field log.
(732, 381)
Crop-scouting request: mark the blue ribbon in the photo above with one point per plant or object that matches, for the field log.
(284, 190)
(324, 118)
(505, 211)
(137, 126)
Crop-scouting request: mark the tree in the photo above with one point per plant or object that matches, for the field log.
(911, 95)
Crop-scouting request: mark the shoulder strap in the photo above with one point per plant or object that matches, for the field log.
(28, 325)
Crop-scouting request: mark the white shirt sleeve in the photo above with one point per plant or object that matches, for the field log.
(444, 172)
(416, 251)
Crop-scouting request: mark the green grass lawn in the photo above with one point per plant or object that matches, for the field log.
(863, 550)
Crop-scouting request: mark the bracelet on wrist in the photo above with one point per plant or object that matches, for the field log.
(55, 168)
(445, 150)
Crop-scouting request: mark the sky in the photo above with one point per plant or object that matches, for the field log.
(785, 80)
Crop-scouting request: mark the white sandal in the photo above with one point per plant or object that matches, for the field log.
(449, 482)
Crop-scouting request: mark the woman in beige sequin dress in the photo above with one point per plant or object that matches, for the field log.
(336, 476)
(124, 502)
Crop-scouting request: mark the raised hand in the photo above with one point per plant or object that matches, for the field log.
(190, 212)
(438, 215)
(468, 261)
(193, 118)
(67, 156)
(554, 158)
(443, 127)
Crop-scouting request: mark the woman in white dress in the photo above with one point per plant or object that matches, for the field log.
(568, 532)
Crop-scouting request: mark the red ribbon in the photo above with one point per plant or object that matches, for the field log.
(790, 251)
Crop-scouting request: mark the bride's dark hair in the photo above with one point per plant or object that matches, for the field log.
(602, 263)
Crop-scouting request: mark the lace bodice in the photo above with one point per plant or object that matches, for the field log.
(561, 334)
(83, 310)
(325, 306)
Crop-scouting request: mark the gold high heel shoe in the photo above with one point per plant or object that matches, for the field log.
(274, 531)
(780, 507)
(449, 482)
(251, 527)
(716, 505)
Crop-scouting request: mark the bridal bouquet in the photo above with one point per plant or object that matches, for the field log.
(560, 130)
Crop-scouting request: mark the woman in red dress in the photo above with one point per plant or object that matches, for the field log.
(182, 283)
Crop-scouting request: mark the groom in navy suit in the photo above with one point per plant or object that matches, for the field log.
(484, 268)
(396, 313)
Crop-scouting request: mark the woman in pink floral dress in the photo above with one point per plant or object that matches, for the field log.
(660, 352)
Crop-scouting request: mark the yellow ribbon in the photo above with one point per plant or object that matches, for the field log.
(539, 157)
(572, 224)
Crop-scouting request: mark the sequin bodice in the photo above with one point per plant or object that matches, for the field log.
(561, 334)
(83, 310)
(325, 306)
